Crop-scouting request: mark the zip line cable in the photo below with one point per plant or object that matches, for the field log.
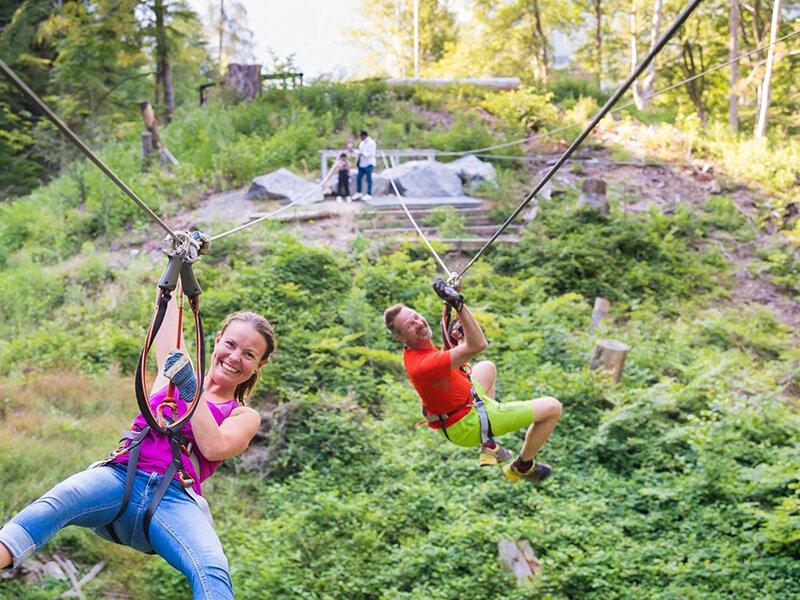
(277, 211)
(48, 112)
(679, 21)
(633, 103)
(411, 218)
(535, 136)
(481, 152)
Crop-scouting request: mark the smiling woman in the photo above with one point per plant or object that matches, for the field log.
(118, 508)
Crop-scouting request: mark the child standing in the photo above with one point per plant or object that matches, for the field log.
(343, 186)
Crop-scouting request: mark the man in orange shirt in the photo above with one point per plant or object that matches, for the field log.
(453, 402)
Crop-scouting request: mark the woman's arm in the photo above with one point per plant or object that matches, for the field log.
(166, 341)
(218, 442)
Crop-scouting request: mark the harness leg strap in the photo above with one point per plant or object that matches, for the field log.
(175, 466)
(487, 437)
(133, 462)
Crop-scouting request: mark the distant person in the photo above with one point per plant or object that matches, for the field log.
(451, 391)
(343, 185)
(367, 151)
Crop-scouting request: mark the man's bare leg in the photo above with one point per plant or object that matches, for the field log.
(546, 413)
(5, 556)
(485, 373)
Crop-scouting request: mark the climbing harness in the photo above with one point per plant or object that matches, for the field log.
(450, 328)
(164, 419)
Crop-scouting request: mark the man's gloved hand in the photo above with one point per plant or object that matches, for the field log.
(448, 294)
(178, 369)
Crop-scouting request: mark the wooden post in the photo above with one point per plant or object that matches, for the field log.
(149, 119)
(600, 310)
(518, 558)
(593, 195)
(244, 79)
(147, 144)
(610, 355)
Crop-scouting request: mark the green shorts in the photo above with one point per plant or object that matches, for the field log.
(504, 417)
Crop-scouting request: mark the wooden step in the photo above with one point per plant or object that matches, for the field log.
(392, 202)
(475, 229)
(465, 243)
(420, 212)
(402, 220)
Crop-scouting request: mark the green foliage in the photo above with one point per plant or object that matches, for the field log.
(627, 258)
(447, 221)
(525, 107)
(568, 89)
(680, 482)
(466, 133)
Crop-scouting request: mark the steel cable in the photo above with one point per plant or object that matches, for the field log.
(679, 21)
(72, 136)
(414, 221)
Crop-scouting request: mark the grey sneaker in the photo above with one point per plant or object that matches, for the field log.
(489, 457)
(536, 474)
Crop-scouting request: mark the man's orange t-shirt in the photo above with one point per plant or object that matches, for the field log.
(442, 389)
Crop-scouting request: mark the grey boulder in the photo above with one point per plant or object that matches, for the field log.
(473, 171)
(425, 178)
(284, 185)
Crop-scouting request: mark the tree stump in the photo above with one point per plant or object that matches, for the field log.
(518, 558)
(599, 312)
(245, 80)
(147, 144)
(593, 195)
(610, 354)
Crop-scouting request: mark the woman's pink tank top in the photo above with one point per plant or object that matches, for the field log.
(155, 454)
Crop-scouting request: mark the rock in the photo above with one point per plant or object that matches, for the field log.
(593, 195)
(473, 171)
(381, 186)
(284, 185)
(425, 178)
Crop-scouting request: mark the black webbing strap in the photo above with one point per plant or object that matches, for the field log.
(176, 440)
(133, 460)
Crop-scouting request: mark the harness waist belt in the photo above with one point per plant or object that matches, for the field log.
(476, 402)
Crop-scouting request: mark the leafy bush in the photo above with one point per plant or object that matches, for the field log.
(524, 108)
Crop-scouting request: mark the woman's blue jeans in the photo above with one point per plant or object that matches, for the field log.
(179, 531)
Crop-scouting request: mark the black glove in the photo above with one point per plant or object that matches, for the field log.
(448, 294)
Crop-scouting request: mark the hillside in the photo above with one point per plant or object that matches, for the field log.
(680, 482)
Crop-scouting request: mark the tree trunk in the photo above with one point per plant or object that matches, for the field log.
(221, 34)
(637, 97)
(162, 58)
(695, 87)
(733, 53)
(610, 355)
(599, 312)
(650, 73)
(761, 122)
(544, 55)
(598, 42)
